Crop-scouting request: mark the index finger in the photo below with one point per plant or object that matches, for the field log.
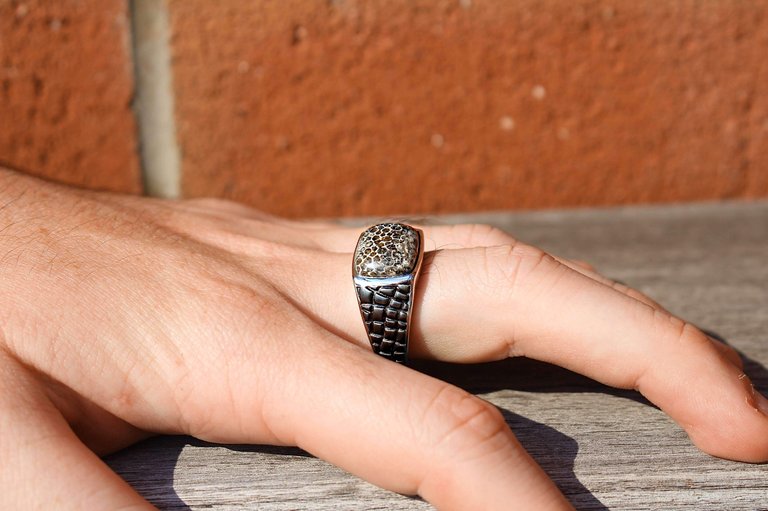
(384, 422)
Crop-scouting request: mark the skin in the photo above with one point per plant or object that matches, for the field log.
(125, 317)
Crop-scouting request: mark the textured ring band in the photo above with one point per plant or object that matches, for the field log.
(385, 267)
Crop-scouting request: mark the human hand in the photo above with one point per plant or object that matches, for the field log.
(122, 317)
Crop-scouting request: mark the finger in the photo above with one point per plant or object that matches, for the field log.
(549, 312)
(587, 270)
(482, 235)
(516, 300)
(44, 464)
(390, 425)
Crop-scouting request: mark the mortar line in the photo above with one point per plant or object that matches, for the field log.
(154, 101)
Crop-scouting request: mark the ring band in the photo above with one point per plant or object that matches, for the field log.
(385, 268)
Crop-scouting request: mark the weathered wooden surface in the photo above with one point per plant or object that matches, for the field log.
(606, 449)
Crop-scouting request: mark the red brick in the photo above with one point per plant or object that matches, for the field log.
(303, 107)
(65, 92)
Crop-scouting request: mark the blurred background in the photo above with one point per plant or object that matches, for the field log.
(311, 108)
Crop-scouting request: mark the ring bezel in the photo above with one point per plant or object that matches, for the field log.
(383, 249)
(388, 296)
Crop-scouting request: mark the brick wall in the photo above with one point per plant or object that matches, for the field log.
(345, 107)
(65, 92)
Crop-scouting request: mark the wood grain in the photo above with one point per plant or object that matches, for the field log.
(606, 449)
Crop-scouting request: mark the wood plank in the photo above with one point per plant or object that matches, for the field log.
(606, 449)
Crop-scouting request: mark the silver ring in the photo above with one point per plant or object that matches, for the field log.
(385, 268)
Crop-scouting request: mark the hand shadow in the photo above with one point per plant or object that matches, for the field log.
(533, 376)
(555, 453)
(553, 450)
(149, 466)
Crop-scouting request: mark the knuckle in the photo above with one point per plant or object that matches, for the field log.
(511, 265)
(679, 339)
(530, 258)
(686, 334)
(463, 423)
(249, 323)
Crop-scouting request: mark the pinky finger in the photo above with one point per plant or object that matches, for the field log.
(418, 434)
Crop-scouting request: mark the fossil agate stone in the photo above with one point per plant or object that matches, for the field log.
(386, 250)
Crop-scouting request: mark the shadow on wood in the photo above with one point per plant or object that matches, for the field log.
(220, 474)
(555, 452)
(529, 375)
(522, 374)
(149, 466)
